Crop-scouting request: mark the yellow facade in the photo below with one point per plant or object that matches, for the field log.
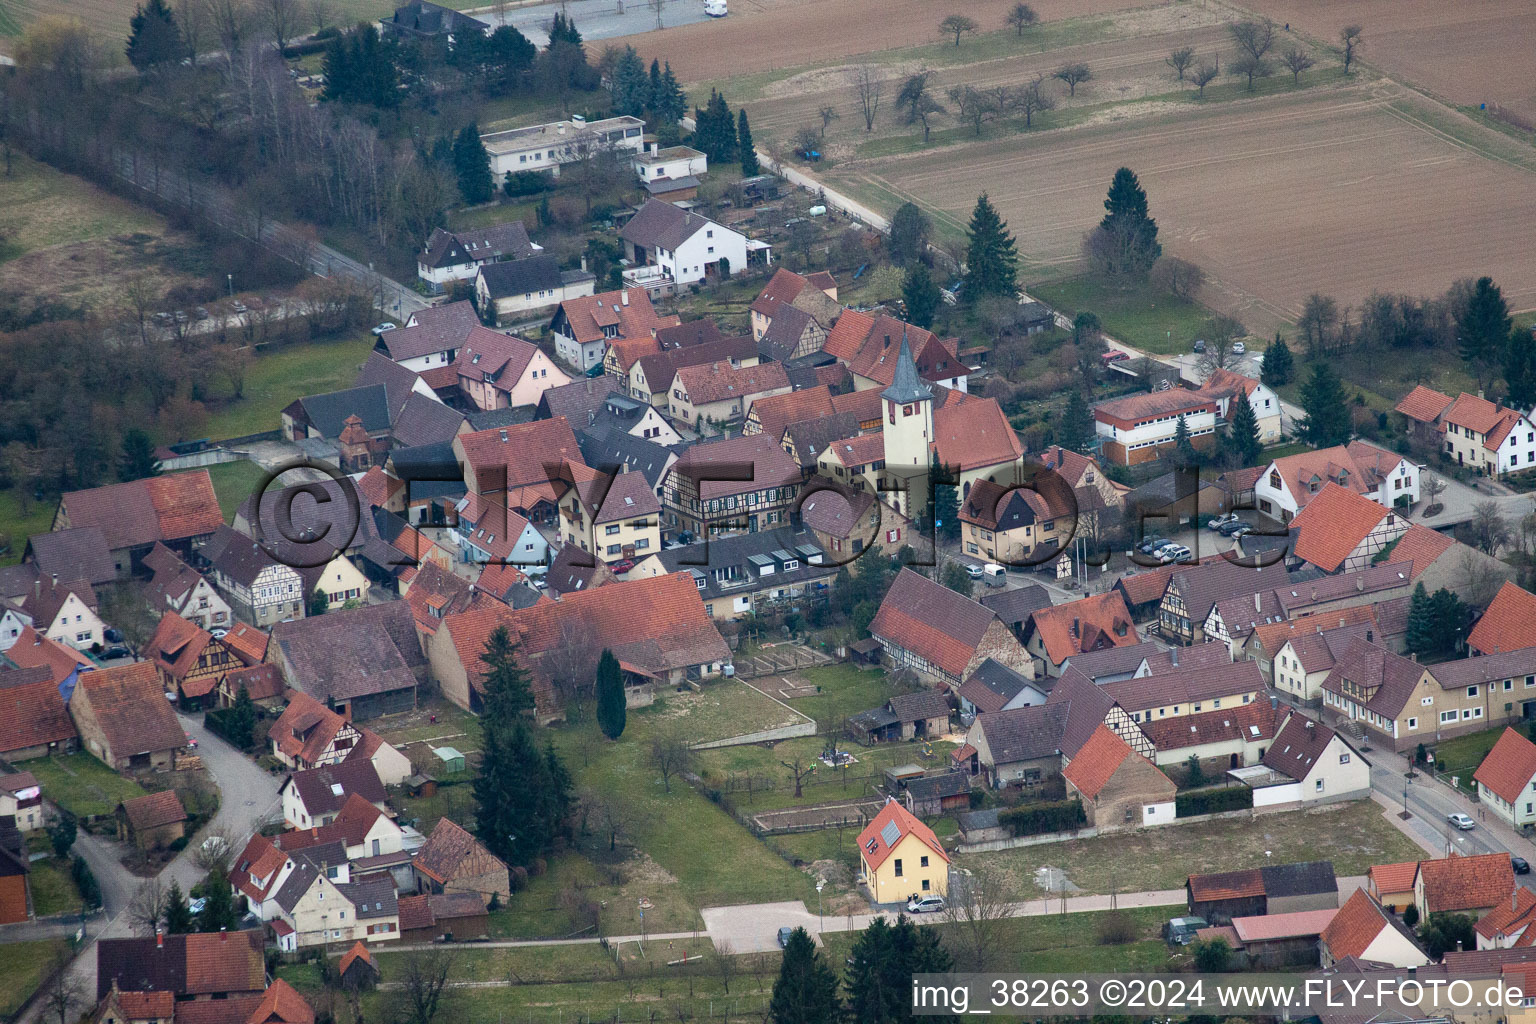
(342, 582)
(911, 868)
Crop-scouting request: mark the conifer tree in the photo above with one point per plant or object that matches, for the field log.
(1482, 328)
(806, 989)
(1278, 367)
(138, 457)
(219, 906)
(1130, 226)
(920, 295)
(991, 259)
(1076, 429)
(744, 146)
(1243, 431)
(1421, 626)
(472, 166)
(610, 696)
(631, 88)
(178, 916)
(1327, 421)
(154, 37)
(1182, 445)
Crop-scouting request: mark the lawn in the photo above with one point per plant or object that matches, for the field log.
(18, 527)
(454, 727)
(845, 691)
(1353, 836)
(233, 482)
(25, 965)
(544, 910)
(1461, 756)
(1136, 314)
(81, 784)
(723, 708)
(729, 767)
(275, 379)
(42, 207)
(53, 890)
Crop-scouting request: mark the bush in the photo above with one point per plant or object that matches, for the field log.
(517, 878)
(526, 183)
(1213, 801)
(1116, 929)
(1052, 816)
(178, 844)
(1411, 915)
(1211, 955)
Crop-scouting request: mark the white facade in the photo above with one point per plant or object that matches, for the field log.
(673, 162)
(1154, 432)
(544, 147)
(1521, 812)
(710, 244)
(74, 625)
(507, 307)
(1339, 773)
(1275, 497)
(12, 622)
(530, 547)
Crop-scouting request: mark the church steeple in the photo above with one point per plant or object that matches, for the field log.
(906, 385)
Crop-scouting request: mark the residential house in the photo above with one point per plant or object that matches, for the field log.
(1342, 530)
(179, 510)
(749, 573)
(1119, 788)
(360, 662)
(80, 554)
(435, 593)
(672, 247)
(993, 686)
(1508, 623)
(308, 734)
(1439, 560)
(1141, 428)
(262, 683)
(870, 346)
(1225, 386)
(775, 414)
(66, 613)
(400, 384)
(1472, 885)
(906, 716)
(1192, 590)
(670, 164)
(320, 901)
(1223, 739)
(859, 460)
(1508, 926)
(1308, 651)
(512, 291)
(1366, 930)
(571, 570)
(1183, 690)
(845, 522)
(315, 796)
(190, 661)
(21, 800)
(1471, 431)
(1311, 764)
(421, 20)
(515, 461)
(15, 876)
(787, 289)
(39, 723)
(599, 404)
(719, 394)
(497, 371)
(733, 484)
(1017, 605)
(327, 416)
(1391, 885)
(1271, 889)
(1110, 664)
(1095, 623)
(1506, 780)
(1023, 525)
(547, 147)
(1289, 483)
(449, 916)
(123, 718)
(449, 256)
(1082, 474)
(152, 822)
(431, 337)
(364, 832)
(940, 635)
(650, 374)
(195, 968)
(260, 589)
(453, 861)
(656, 627)
(177, 587)
(900, 857)
(391, 764)
(584, 326)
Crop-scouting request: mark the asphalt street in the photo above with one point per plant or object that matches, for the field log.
(599, 19)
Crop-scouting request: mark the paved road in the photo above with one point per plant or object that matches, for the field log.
(598, 19)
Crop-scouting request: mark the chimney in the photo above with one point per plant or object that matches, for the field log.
(1359, 583)
(223, 935)
(624, 297)
(1258, 602)
(1173, 652)
(37, 589)
(1479, 395)
(1412, 656)
(1311, 725)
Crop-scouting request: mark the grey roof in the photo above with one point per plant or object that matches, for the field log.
(913, 707)
(456, 248)
(576, 399)
(1486, 668)
(398, 382)
(1305, 878)
(811, 437)
(690, 333)
(1201, 586)
(486, 419)
(425, 420)
(936, 787)
(236, 556)
(439, 329)
(78, 554)
(1298, 746)
(975, 821)
(994, 684)
(741, 555)
(612, 447)
(661, 186)
(574, 569)
(1024, 734)
(431, 469)
(328, 413)
(784, 332)
(874, 718)
(318, 787)
(16, 581)
(352, 652)
(523, 277)
(661, 225)
(372, 897)
(1017, 605)
(1087, 705)
(1034, 312)
(428, 19)
(1160, 492)
(906, 384)
(297, 883)
(1112, 661)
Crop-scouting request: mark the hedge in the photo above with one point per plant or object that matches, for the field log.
(1213, 801)
(1052, 816)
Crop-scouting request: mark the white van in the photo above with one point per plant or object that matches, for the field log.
(994, 575)
(715, 8)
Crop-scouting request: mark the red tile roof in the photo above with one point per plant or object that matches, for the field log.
(873, 846)
(970, 432)
(1509, 624)
(1424, 404)
(1466, 883)
(32, 714)
(414, 913)
(1097, 761)
(503, 458)
(131, 710)
(863, 450)
(1226, 885)
(783, 287)
(171, 507)
(176, 645)
(1393, 878)
(305, 728)
(261, 682)
(1146, 587)
(630, 310)
(154, 810)
(1252, 722)
(1509, 766)
(1355, 926)
(147, 1005)
(1333, 524)
(1087, 624)
(1480, 416)
(1421, 546)
(359, 950)
(378, 487)
(1518, 913)
(280, 1004)
(776, 412)
(1361, 465)
(33, 650)
(1296, 924)
(247, 643)
(718, 382)
(932, 621)
(260, 859)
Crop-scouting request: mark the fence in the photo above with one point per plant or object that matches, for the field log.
(783, 732)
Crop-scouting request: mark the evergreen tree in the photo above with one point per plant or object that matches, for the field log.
(920, 295)
(882, 964)
(1243, 431)
(318, 604)
(1482, 328)
(1327, 420)
(219, 909)
(715, 130)
(359, 68)
(1076, 430)
(154, 38)
(1520, 369)
(1450, 617)
(909, 234)
(1421, 626)
(991, 259)
(943, 515)
(242, 718)
(655, 91)
(610, 696)
(670, 103)
(563, 30)
(472, 166)
(806, 989)
(336, 66)
(62, 833)
(956, 578)
(178, 916)
(1278, 367)
(138, 457)
(1129, 225)
(506, 687)
(749, 166)
(631, 89)
(1183, 447)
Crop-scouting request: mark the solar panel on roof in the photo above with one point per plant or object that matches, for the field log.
(890, 833)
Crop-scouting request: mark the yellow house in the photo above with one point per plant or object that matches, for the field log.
(614, 518)
(339, 580)
(900, 857)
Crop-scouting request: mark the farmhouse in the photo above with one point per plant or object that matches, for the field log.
(179, 510)
(39, 723)
(361, 662)
(1473, 885)
(124, 719)
(184, 590)
(515, 289)
(453, 861)
(260, 589)
(1058, 632)
(1342, 530)
(733, 484)
(1272, 889)
(1119, 788)
(79, 554)
(678, 247)
(939, 634)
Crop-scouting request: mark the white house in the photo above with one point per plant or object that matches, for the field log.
(1224, 386)
(1506, 780)
(1364, 930)
(65, 612)
(458, 255)
(1472, 431)
(261, 590)
(683, 247)
(1288, 484)
(511, 290)
(21, 798)
(1137, 428)
(487, 532)
(674, 162)
(12, 622)
(1309, 763)
(544, 147)
(431, 337)
(313, 798)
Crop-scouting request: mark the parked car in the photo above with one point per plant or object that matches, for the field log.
(1236, 528)
(1521, 865)
(197, 905)
(180, 315)
(1461, 821)
(201, 312)
(238, 306)
(620, 568)
(930, 904)
(1114, 357)
(116, 651)
(1150, 544)
(114, 636)
(1173, 553)
(1180, 931)
(1239, 349)
(973, 571)
(1217, 522)
(1200, 345)
(218, 634)
(191, 742)
(784, 934)
(383, 329)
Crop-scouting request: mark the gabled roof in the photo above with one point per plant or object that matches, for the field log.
(436, 329)
(1303, 878)
(131, 709)
(435, 592)
(50, 596)
(691, 333)
(34, 650)
(1113, 661)
(237, 556)
(661, 367)
(398, 382)
(175, 506)
(782, 288)
(932, 621)
(424, 420)
(305, 728)
(1421, 546)
(628, 496)
(775, 413)
(1334, 523)
(1297, 924)
(1466, 883)
(324, 790)
(629, 310)
(1373, 668)
(1201, 586)
(992, 685)
(1251, 723)
(1479, 416)
(835, 512)
(771, 465)
(1186, 686)
(328, 413)
(1360, 466)
(1320, 650)
(445, 849)
(154, 810)
(522, 450)
(280, 1004)
(201, 964)
(1153, 405)
(719, 382)
(455, 248)
(1487, 668)
(494, 358)
(662, 225)
(261, 682)
(177, 644)
(31, 711)
(1509, 623)
(1396, 877)
(1016, 604)
(1299, 747)
(578, 399)
(1424, 404)
(888, 828)
(1509, 766)
(78, 554)
(359, 951)
(970, 432)
(1097, 761)
(352, 652)
(1516, 915)
(1087, 624)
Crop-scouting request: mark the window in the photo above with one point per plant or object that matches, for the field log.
(1319, 787)
(898, 867)
(1343, 759)
(923, 862)
(611, 530)
(1447, 716)
(1413, 723)
(1426, 701)
(1471, 691)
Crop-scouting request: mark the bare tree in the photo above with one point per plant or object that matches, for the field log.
(1219, 335)
(655, 6)
(1250, 67)
(1431, 487)
(423, 980)
(1021, 16)
(65, 993)
(924, 110)
(1296, 60)
(1352, 37)
(282, 20)
(611, 816)
(801, 770)
(1204, 75)
(670, 754)
(321, 13)
(1488, 528)
(1478, 579)
(193, 19)
(977, 911)
(139, 297)
(1254, 38)
(231, 22)
(1181, 60)
(147, 907)
(1178, 277)
(957, 25)
(867, 86)
(1032, 98)
(973, 106)
(725, 964)
(827, 114)
(1073, 75)
(214, 849)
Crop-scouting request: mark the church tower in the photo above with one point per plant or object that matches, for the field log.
(908, 431)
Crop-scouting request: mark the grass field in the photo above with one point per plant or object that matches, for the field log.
(1136, 314)
(25, 965)
(233, 482)
(1461, 756)
(722, 708)
(81, 784)
(53, 890)
(38, 519)
(276, 378)
(1353, 836)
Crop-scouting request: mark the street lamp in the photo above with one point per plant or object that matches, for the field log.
(231, 278)
(821, 924)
